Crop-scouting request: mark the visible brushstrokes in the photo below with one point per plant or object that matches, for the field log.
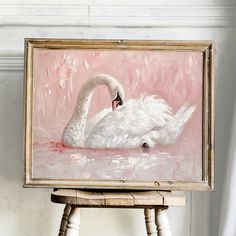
(59, 74)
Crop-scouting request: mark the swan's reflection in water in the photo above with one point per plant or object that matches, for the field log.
(53, 161)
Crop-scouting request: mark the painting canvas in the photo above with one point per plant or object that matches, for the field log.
(118, 114)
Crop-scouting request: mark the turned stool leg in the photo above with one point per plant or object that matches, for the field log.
(64, 220)
(150, 222)
(162, 222)
(73, 222)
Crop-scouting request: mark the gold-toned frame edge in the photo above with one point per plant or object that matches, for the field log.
(121, 185)
(211, 128)
(28, 54)
(208, 158)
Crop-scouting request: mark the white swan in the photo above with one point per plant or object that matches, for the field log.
(143, 122)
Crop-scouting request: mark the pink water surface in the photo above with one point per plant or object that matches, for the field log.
(53, 161)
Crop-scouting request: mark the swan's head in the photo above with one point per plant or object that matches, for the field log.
(117, 101)
(117, 93)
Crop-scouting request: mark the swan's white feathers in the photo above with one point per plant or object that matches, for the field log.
(126, 125)
(147, 120)
(172, 130)
(73, 134)
(91, 123)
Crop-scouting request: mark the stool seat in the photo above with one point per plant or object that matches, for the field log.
(154, 203)
(130, 199)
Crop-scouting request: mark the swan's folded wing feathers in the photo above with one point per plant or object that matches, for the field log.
(130, 122)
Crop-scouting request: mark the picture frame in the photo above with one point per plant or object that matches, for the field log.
(177, 76)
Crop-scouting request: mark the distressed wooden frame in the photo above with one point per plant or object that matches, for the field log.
(208, 49)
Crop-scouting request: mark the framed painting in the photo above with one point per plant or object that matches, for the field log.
(119, 114)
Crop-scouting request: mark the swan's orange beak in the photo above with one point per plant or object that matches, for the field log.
(115, 104)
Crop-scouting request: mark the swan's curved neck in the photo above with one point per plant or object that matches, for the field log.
(76, 126)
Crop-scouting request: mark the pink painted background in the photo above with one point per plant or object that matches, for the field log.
(58, 76)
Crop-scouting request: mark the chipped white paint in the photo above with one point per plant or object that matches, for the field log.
(162, 222)
(64, 220)
(73, 222)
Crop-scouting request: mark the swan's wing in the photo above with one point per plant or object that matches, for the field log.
(91, 123)
(172, 130)
(125, 126)
(144, 114)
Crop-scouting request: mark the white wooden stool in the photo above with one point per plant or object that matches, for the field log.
(154, 203)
